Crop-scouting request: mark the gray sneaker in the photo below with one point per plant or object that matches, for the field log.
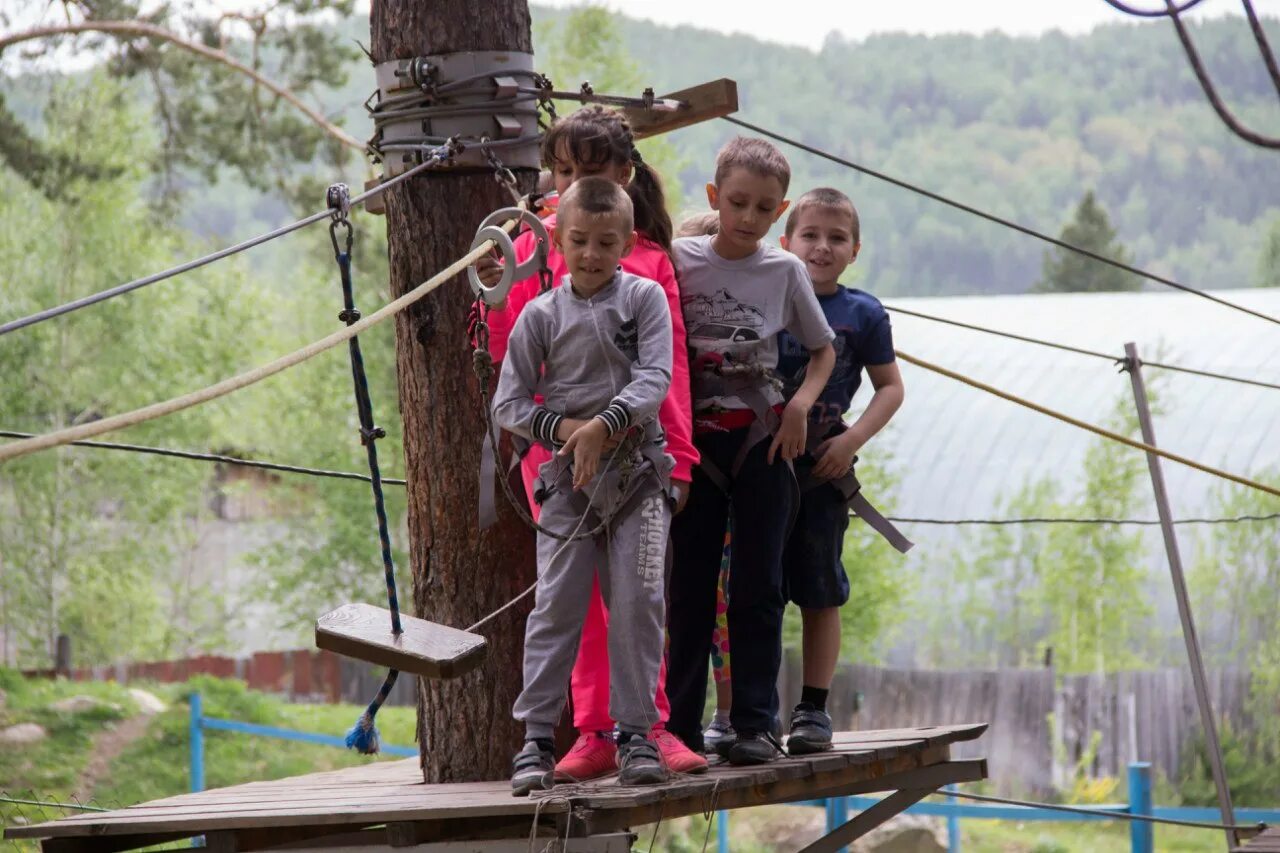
(533, 768)
(718, 736)
(639, 762)
(810, 730)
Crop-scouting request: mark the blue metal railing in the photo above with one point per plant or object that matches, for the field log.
(1141, 836)
(199, 723)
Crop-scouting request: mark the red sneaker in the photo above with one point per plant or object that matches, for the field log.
(678, 757)
(594, 754)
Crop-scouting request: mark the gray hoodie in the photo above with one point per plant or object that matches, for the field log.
(609, 355)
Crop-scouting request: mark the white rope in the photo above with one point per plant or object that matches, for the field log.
(15, 449)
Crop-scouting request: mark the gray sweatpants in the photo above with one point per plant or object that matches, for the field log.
(630, 557)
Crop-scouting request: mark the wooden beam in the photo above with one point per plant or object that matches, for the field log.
(702, 103)
(85, 844)
(889, 807)
(426, 649)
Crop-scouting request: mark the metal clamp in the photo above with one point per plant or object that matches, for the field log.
(511, 270)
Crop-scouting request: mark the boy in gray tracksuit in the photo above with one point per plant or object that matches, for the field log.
(597, 350)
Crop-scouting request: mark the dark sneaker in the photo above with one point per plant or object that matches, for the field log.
(758, 748)
(639, 762)
(810, 730)
(533, 768)
(718, 734)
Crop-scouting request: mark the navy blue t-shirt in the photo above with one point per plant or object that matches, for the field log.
(863, 337)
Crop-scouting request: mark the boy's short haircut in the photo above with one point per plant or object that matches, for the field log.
(596, 196)
(700, 225)
(824, 198)
(755, 155)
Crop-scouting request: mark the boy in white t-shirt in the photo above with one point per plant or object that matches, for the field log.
(737, 294)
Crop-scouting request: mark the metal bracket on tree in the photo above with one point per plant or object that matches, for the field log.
(471, 95)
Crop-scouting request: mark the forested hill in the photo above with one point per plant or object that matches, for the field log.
(1018, 126)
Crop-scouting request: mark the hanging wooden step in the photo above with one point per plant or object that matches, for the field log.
(363, 632)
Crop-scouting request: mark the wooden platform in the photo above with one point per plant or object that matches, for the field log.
(387, 803)
(1267, 841)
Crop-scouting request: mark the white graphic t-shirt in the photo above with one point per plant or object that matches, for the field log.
(733, 311)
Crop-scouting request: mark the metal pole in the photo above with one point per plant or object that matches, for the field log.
(1141, 836)
(1134, 366)
(953, 823)
(197, 743)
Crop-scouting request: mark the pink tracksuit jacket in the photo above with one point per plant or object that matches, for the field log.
(590, 682)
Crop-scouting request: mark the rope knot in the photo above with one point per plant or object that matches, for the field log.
(482, 364)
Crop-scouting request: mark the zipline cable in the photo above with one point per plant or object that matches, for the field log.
(991, 217)
(1079, 350)
(390, 481)
(1210, 92)
(1107, 813)
(1084, 425)
(156, 410)
(1052, 519)
(434, 158)
(214, 457)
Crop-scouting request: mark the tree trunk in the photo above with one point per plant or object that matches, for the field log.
(465, 729)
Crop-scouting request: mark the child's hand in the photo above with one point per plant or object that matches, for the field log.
(792, 433)
(586, 443)
(835, 455)
(569, 426)
(489, 269)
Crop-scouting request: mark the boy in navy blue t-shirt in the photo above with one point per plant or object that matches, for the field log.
(822, 230)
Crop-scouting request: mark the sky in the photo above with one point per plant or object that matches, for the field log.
(808, 22)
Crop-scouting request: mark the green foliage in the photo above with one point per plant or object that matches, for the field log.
(586, 45)
(53, 766)
(73, 520)
(877, 582)
(157, 765)
(1075, 589)
(1069, 272)
(1269, 259)
(1018, 126)
(212, 116)
(1091, 590)
(1249, 767)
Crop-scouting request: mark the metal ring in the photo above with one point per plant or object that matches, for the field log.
(497, 293)
(535, 261)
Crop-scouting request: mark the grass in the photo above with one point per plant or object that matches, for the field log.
(53, 765)
(158, 763)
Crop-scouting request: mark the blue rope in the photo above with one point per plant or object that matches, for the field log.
(363, 736)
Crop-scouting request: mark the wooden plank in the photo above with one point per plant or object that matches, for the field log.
(426, 649)
(929, 734)
(703, 102)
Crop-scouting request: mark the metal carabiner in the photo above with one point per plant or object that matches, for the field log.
(512, 271)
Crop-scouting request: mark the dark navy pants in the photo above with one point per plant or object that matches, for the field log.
(763, 502)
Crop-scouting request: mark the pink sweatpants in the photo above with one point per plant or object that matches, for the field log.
(590, 681)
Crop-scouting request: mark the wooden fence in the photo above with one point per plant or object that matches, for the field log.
(1042, 725)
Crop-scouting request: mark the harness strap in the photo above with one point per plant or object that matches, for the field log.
(851, 490)
(868, 513)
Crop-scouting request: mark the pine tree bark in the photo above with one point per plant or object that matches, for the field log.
(465, 729)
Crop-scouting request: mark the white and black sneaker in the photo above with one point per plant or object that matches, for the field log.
(533, 768)
(718, 737)
(810, 730)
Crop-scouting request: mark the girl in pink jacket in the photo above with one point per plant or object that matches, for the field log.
(598, 141)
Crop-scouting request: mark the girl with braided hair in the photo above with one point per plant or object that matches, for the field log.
(597, 141)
